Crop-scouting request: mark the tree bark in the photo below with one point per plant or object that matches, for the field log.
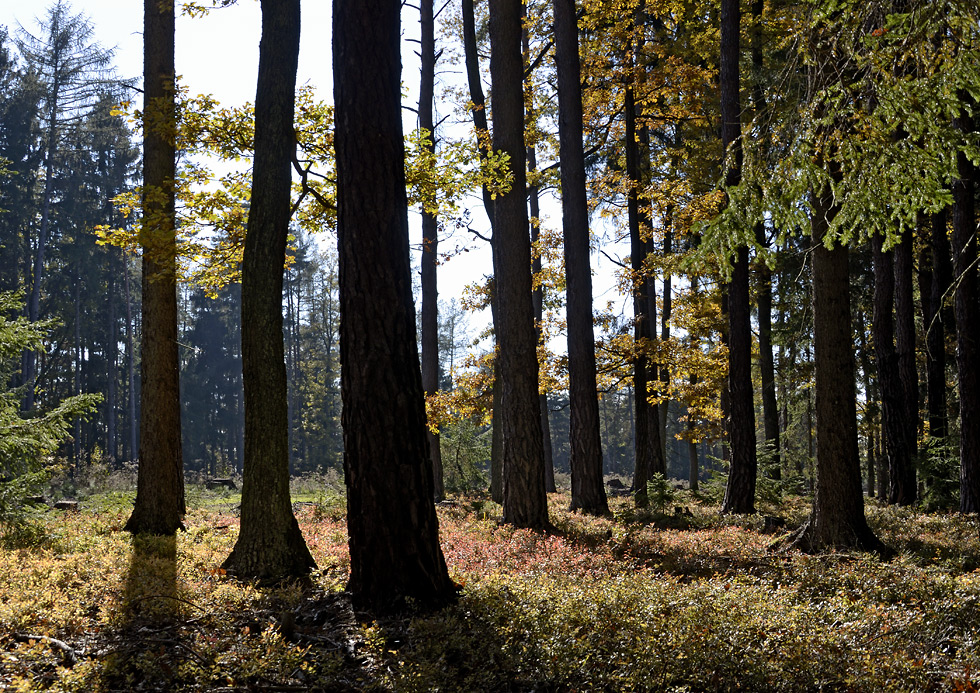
(394, 535)
(905, 353)
(270, 545)
(901, 474)
(967, 309)
(525, 500)
(837, 520)
(588, 492)
(159, 503)
(937, 273)
(740, 492)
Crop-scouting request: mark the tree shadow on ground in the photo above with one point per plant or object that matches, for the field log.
(148, 644)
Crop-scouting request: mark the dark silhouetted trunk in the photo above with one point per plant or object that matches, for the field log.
(838, 520)
(270, 546)
(394, 535)
(740, 492)
(905, 352)
(159, 504)
(525, 500)
(588, 492)
(967, 310)
(901, 474)
(936, 278)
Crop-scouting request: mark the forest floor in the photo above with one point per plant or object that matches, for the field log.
(629, 602)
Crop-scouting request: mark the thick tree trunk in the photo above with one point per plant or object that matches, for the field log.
(430, 243)
(160, 484)
(525, 500)
(838, 520)
(740, 492)
(901, 473)
(967, 311)
(588, 492)
(270, 546)
(394, 534)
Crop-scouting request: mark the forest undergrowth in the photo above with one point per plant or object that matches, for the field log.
(635, 601)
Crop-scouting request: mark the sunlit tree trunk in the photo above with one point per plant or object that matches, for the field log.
(525, 500)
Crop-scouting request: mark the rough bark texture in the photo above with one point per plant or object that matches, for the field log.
(740, 492)
(430, 243)
(270, 546)
(967, 324)
(391, 519)
(837, 521)
(901, 474)
(525, 500)
(588, 491)
(160, 483)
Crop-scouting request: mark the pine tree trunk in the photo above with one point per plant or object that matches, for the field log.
(901, 474)
(838, 520)
(394, 534)
(270, 546)
(967, 321)
(159, 503)
(740, 492)
(588, 492)
(905, 353)
(525, 500)
(936, 266)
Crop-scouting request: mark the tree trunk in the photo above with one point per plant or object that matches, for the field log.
(430, 243)
(905, 353)
(740, 492)
(270, 546)
(967, 310)
(588, 492)
(647, 445)
(837, 521)
(159, 503)
(525, 499)
(479, 110)
(901, 474)
(394, 534)
(538, 300)
(936, 266)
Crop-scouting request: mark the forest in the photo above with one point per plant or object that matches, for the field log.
(703, 418)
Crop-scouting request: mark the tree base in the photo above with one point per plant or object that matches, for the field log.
(808, 540)
(269, 560)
